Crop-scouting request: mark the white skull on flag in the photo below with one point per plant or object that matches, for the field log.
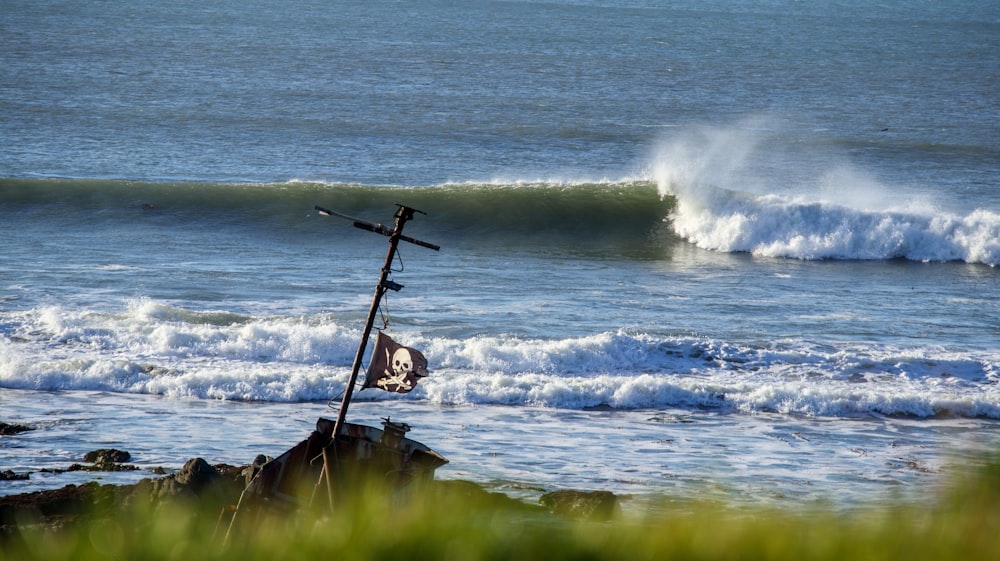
(393, 367)
(402, 363)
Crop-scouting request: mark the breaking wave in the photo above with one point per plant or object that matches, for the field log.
(684, 201)
(153, 348)
(779, 226)
(726, 202)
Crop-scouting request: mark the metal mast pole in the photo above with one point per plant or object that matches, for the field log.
(402, 215)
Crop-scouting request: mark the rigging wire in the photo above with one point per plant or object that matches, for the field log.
(383, 310)
(399, 258)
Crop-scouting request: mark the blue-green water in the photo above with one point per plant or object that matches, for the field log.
(718, 225)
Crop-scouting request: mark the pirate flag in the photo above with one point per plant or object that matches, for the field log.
(393, 367)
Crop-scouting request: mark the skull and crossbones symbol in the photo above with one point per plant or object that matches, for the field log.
(400, 364)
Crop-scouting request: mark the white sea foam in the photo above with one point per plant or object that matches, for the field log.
(724, 204)
(779, 226)
(156, 349)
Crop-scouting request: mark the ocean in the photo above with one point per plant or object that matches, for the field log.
(733, 250)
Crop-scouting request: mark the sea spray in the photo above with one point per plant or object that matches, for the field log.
(722, 204)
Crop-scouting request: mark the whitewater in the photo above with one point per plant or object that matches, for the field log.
(735, 250)
(152, 348)
(725, 203)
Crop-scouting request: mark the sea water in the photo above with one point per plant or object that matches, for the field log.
(729, 249)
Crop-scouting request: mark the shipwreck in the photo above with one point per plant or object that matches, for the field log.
(339, 454)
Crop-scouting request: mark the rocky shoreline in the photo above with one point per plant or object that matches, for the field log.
(220, 485)
(217, 487)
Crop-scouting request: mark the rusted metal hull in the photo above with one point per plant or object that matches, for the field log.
(360, 451)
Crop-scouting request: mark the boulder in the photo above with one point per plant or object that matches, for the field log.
(11, 475)
(107, 456)
(8, 428)
(254, 468)
(195, 476)
(104, 459)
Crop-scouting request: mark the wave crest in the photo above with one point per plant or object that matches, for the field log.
(776, 226)
(813, 214)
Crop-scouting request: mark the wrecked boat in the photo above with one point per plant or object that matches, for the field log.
(337, 454)
(358, 451)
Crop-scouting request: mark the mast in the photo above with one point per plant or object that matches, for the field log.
(402, 216)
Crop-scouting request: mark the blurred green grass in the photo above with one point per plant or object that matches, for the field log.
(458, 522)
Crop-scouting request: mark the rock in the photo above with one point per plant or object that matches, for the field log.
(250, 472)
(105, 459)
(194, 476)
(98, 467)
(211, 487)
(10, 475)
(54, 507)
(8, 429)
(198, 480)
(596, 506)
(106, 456)
(470, 494)
(196, 473)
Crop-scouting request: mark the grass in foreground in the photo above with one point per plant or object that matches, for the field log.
(447, 523)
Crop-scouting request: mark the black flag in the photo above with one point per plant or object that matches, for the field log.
(393, 367)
